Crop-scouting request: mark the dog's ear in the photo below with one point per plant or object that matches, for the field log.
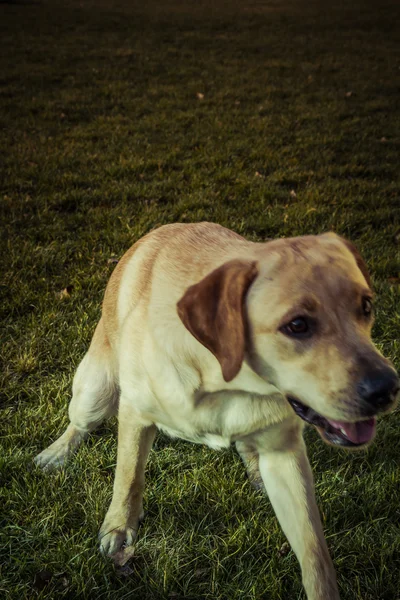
(359, 260)
(213, 310)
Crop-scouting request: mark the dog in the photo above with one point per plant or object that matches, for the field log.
(218, 340)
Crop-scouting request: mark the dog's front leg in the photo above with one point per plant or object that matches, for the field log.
(135, 439)
(289, 482)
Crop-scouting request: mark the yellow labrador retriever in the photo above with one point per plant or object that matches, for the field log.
(215, 339)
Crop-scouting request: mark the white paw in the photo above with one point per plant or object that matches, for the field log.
(54, 457)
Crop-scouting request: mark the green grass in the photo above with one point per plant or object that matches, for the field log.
(103, 137)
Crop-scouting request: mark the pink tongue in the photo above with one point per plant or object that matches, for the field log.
(358, 433)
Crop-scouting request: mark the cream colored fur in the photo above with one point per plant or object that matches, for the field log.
(145, 363)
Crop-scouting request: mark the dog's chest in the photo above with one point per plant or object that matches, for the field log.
(211, 440)
(220, 418)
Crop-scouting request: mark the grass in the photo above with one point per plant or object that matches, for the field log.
(103, 137)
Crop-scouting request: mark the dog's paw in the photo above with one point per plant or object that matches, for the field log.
(114, 540)
(53, 457)
(56, 455)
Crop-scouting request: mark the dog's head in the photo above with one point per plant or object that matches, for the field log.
(301, 316)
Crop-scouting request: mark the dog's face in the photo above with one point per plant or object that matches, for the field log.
(302, 317)
(311, 316)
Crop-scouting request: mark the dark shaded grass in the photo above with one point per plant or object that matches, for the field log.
(103, 137)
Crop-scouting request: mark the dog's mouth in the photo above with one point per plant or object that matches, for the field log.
(339, 433)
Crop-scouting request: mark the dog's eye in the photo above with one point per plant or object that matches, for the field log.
(298, 326)
(367, 306)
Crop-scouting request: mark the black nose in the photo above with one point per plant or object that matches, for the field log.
(379, 388)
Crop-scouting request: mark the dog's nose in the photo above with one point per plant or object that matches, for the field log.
(379, 388)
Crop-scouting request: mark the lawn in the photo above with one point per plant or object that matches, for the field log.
(271, 118)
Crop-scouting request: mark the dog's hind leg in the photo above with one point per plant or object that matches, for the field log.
(94, 398)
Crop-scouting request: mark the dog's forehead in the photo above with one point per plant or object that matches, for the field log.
(313, 256)
(311, 267)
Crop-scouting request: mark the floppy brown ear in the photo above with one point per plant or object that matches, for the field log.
(213, 310)
(359, 260)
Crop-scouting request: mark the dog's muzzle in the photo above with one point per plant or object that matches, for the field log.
(377, 393)
(339, 433)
